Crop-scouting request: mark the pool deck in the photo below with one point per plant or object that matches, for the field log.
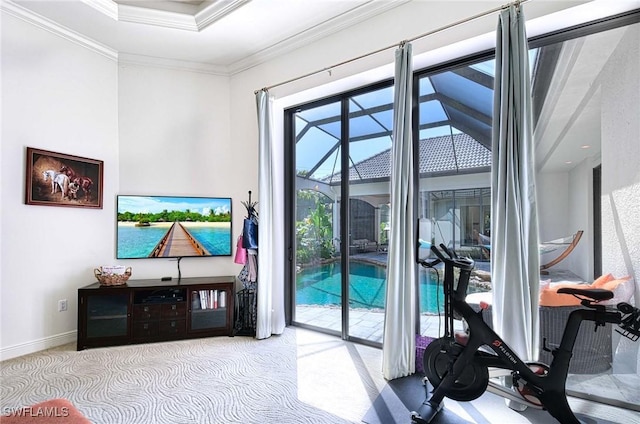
(364, 324)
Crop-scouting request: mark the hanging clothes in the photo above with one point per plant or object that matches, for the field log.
(252, 262)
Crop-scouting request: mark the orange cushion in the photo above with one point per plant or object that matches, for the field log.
(603, 279)
(550, 296)
(613, 284)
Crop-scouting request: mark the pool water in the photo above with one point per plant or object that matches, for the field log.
(139, 242)
(320, 285)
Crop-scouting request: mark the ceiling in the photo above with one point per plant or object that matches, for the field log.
(227, 35)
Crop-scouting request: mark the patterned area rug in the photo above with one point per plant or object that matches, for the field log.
(214, 380)
(298, 377)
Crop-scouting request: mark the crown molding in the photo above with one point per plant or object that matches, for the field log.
(156, 17)
(321, 30)
(172, 64)
(106, 7)
(17, 11)
(188, 21)
(216, 11)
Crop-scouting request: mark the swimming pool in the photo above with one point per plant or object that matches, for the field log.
(320, 285)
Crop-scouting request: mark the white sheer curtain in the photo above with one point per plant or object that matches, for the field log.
(398, 348)
(514, 222)
(270, 304)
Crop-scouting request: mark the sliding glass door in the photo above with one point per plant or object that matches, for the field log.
(317, 286)
(454, 145)
(340, 248)
(369, 165)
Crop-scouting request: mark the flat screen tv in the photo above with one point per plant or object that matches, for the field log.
(173, 227)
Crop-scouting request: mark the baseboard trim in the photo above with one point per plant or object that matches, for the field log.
(37, 345)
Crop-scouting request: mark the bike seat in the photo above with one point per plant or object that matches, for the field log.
(594, 294)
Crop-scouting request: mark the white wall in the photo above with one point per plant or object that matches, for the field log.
(621, 177)
(62, 97)
(620, 153)
(580, 217)
(175, 140)
(552, 192)
(159, 131)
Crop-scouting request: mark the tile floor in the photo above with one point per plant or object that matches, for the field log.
(368, 325)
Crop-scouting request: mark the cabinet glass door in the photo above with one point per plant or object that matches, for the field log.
(107, 315)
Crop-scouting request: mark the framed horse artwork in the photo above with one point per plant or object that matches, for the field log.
(58, 179)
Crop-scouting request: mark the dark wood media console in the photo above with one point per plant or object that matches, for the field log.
(144, 311)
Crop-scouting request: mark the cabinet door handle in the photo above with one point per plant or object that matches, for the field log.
(146, 309)
(174, 307)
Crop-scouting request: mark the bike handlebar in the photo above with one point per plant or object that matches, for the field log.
(429, 264)
(454, 260)
(630, 322)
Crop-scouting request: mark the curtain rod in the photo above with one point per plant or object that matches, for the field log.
(516, 3)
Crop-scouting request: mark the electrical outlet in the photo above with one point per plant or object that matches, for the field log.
(62, 305)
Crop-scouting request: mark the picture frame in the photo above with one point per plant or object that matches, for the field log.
(58, 179)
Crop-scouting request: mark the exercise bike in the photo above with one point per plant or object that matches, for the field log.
(458, 365)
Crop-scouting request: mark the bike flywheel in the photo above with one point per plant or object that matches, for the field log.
(439, 357)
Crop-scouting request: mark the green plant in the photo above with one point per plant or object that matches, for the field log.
(314, 234)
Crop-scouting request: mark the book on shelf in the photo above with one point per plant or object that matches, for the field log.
(209, 299)
(203, 299)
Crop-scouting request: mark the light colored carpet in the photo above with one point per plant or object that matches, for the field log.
(298, 377)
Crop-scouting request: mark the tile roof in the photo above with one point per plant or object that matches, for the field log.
(438, 155)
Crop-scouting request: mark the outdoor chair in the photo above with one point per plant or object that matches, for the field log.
(568, 243)
(365, 245)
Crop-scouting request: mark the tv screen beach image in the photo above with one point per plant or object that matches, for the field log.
(173, 227)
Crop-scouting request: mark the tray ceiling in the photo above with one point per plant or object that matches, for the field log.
(227, 35)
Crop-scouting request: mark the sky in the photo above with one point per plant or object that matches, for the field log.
(155, 204)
